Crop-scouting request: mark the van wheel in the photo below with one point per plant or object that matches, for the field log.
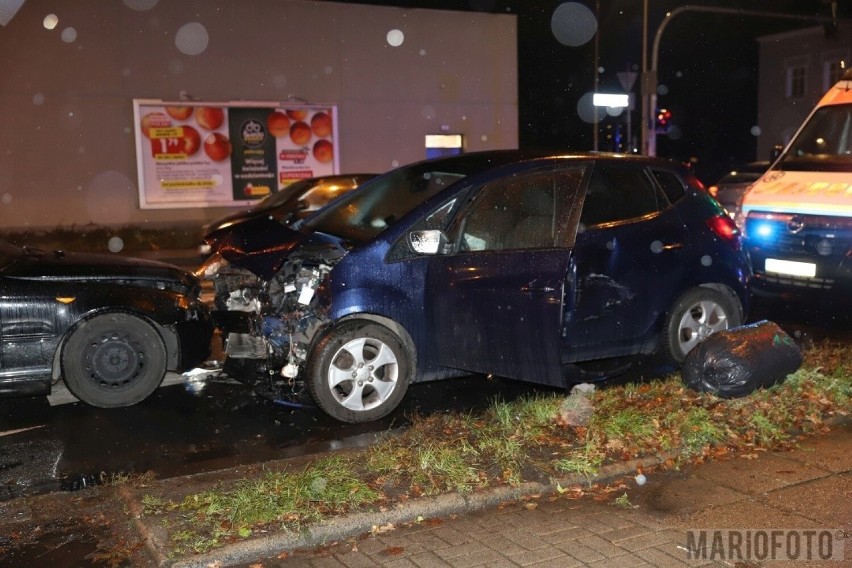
(697, 314)
(359, 372)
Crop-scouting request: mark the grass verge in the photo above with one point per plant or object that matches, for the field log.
(513, 442)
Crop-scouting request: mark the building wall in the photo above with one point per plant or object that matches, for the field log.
(67, 151)
(782, 107)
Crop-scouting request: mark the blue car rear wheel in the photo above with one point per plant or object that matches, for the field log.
(697, 314)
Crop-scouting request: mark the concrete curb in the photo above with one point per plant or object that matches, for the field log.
(361, 523)
(350, 526)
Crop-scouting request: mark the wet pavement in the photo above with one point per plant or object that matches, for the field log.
(195, 427)
(807, 489)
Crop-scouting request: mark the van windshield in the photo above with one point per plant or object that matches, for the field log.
(824, 143)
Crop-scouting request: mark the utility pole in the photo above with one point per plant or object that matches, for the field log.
(645, 83)
(595, 133)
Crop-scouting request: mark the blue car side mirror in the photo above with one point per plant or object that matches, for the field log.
(427, 242)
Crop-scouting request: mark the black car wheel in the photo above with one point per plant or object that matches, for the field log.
(359, 371)
(113, 360)
(697, 314)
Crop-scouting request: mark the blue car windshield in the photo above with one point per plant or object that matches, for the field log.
(376, 205)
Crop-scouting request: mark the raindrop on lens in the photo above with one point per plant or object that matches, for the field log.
(6, 199)
(115, 244)
(586, 109)
(192, 38)
(706, 260)
(755, 131)
(38, 99)
(319, 485)
(573, 24)
(657, 247)
(140, 5)
(610, 245)
(395, 38)
(662, 90)
(69, 35)
(50, 21)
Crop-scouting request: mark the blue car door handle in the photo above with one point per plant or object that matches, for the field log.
(535, 287)
(659, 246)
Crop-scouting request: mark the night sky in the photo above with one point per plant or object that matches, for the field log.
(708, 62)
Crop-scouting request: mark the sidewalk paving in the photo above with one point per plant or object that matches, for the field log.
(807, 488)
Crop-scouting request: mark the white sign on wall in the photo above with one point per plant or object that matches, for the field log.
(202, 154)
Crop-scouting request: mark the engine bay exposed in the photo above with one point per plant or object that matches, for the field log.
(268, 325)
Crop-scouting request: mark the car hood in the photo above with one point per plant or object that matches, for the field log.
(245, 215)
(73, 266)
(261, 245)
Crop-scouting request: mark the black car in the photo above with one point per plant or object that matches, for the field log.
(296, 201)
(110, 327)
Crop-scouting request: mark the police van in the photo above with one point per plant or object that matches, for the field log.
(798, 215)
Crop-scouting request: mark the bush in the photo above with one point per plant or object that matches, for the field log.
(97, 238)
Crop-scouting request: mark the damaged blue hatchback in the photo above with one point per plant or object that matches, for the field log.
(517, 264)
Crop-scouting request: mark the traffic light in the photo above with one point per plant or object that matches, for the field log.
(663, 120)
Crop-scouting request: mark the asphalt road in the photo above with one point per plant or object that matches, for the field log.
(194, 425)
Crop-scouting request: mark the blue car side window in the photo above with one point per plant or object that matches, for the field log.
(671, 184)
(513, 213)
(619, 194)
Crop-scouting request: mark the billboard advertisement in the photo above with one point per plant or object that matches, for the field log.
(201, 154)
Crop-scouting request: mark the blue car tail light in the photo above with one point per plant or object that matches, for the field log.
(725, 228)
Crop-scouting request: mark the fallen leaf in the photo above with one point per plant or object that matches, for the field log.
(393, 551)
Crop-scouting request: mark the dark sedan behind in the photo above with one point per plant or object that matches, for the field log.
(109, 326)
